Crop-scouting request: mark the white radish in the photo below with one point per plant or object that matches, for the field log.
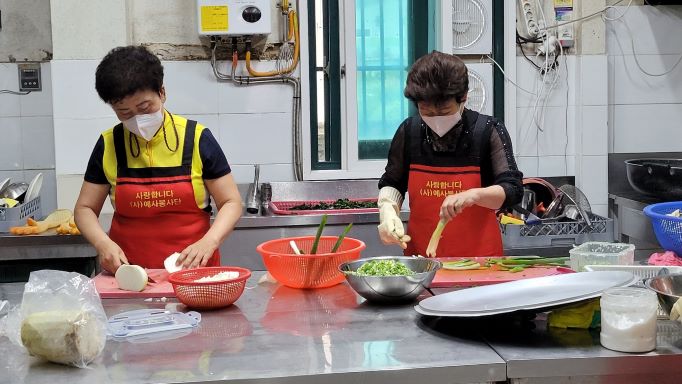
(170, 263)
(222, 276)
(131, 278)
(66, 337)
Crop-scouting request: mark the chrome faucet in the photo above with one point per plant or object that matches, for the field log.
(252, 203)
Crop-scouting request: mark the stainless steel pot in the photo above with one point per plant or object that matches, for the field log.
(544, 191)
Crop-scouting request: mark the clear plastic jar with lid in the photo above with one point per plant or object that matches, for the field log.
(628, 319)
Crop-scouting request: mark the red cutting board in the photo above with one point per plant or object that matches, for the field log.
(108, 287)
(470, 278)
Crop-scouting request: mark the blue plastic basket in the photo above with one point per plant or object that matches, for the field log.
(668, 229)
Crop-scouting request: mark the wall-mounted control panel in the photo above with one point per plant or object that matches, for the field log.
(29, 77)
(234, 17)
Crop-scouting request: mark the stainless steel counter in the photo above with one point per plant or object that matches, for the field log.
(569, 356)
(535, 353)
(275, 334)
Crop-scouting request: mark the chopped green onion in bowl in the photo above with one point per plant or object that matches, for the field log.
(383, 268)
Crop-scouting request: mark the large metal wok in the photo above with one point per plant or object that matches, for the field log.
(661, 178)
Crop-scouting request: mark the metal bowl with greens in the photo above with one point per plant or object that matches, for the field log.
(383, 268)
(390, 279)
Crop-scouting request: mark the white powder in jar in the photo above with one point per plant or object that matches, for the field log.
(628, 320)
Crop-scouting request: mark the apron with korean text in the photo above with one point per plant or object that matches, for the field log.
(475, 231)
(156, 212)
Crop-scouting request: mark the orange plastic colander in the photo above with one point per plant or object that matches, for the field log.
(305, 270)
(208, 295)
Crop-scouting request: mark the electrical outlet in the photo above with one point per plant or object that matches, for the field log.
(530, 21)
(29, 77)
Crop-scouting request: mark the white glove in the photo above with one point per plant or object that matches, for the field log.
(391, 229)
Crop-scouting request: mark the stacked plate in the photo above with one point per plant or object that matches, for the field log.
(530, 294)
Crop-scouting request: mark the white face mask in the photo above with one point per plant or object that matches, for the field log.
(146, 125)
(442, 124)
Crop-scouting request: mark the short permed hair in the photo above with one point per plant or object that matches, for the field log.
(127, 70)
(437, 78)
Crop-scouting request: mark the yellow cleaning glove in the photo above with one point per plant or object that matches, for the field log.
(585, 314)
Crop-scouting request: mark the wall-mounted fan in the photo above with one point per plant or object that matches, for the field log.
(468, 23)
(480, 93)
(466, 26)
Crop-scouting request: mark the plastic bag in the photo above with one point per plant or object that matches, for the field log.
(61, 318)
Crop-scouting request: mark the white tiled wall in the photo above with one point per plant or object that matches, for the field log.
(104, 23)
(555, 165)
(645, 111)
(592, 167)
(528, 165)
(594, 130)
(544, 135)
(593, 80)
(593, 180)
(252, 124)
(10, 156)
(26, 133)
(566, 134)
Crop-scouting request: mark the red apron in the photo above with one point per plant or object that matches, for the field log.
(433, 176)
(156, 213)
(474, 232)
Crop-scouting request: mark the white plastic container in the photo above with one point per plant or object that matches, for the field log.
(628, 319)
(600, 253)
(641, 271)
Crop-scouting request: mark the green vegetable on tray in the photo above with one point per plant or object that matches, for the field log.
(552, 261)
(511, 264)
(338, 204)
(516, 264)
(461, 265)
(383, 268)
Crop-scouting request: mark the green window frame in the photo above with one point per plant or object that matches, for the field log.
(326, 153)
(326, 149)
(331, 72)
(498, 56)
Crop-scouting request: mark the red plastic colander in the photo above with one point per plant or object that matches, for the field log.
(308, 271)
(208, 295)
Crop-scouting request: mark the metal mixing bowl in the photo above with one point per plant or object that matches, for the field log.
(14, 191)
(392, 289)
(668, 288)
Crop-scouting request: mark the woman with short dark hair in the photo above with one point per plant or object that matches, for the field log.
(456, 164)
(160, 171)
